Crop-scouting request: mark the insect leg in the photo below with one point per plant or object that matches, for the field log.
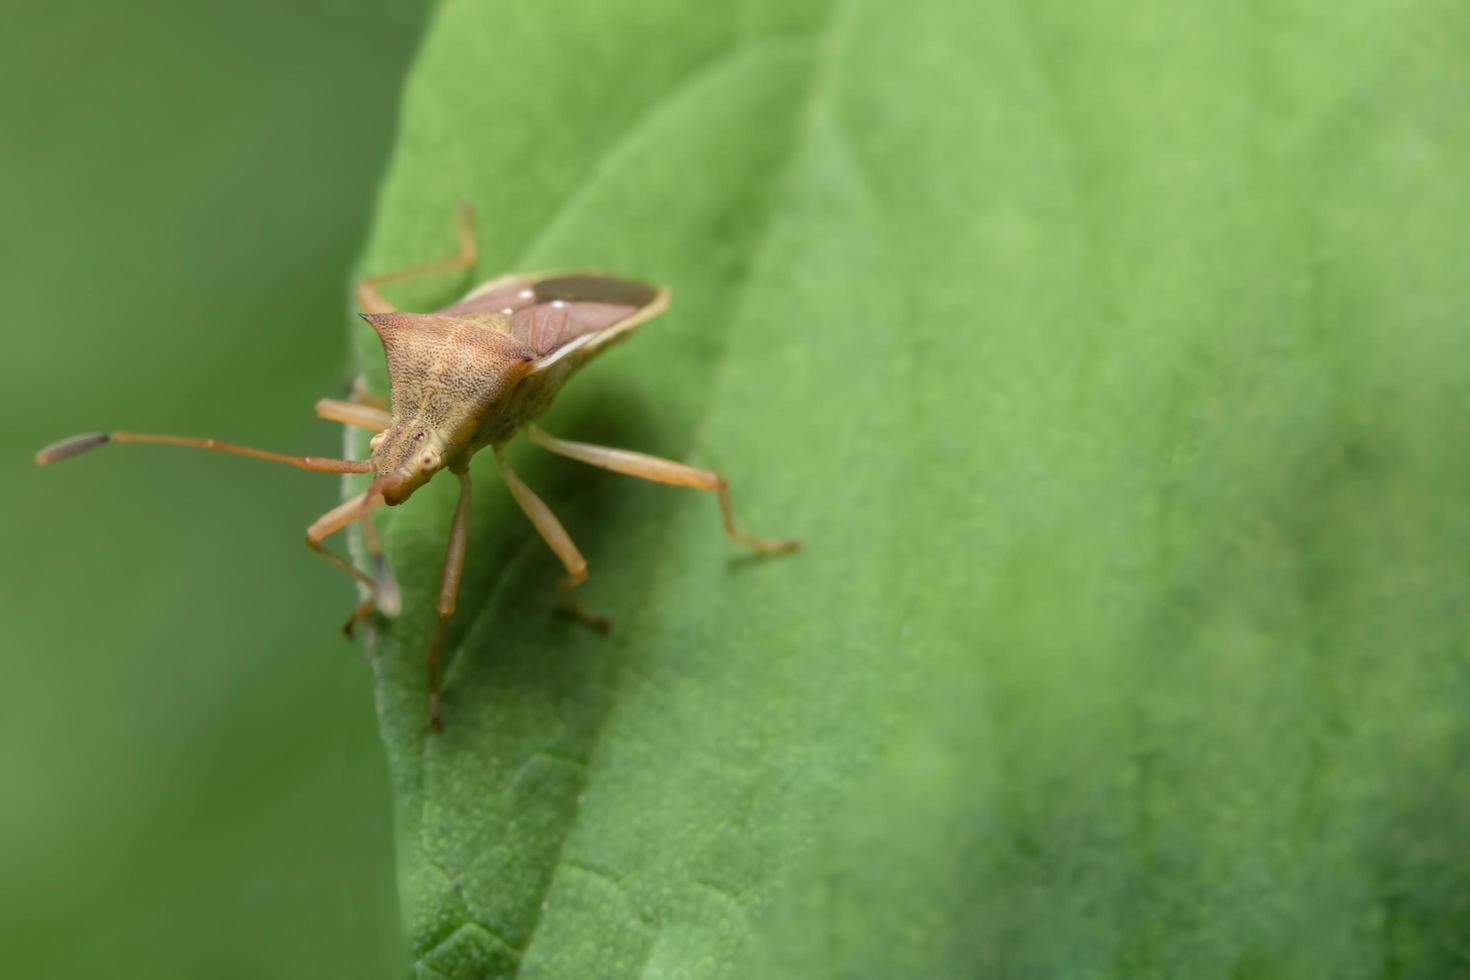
(384, 596)
(661, 471)
(459, 534)
(361, 611)
(353, 413)
(382, 586)
(372, 301)
(385, 592)
(90, 440)
(557, 538)
(335, 520)
(358, 394)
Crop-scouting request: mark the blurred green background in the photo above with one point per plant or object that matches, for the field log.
(193, 785)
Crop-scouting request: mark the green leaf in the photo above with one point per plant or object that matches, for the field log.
(1109, 358)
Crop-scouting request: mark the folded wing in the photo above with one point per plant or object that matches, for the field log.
(556, 314)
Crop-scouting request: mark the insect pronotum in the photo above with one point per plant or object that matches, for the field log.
(470, 376)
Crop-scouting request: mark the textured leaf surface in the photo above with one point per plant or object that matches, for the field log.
(1110, 358)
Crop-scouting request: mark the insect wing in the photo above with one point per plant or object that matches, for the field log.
(554, 314)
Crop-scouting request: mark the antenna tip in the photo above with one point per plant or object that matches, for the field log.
(71, 447)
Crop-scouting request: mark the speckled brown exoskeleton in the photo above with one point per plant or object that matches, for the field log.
(471, 376)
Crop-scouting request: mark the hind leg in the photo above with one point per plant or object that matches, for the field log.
(372, 301)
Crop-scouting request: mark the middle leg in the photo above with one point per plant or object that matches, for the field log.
(354, 413)
(557, 539)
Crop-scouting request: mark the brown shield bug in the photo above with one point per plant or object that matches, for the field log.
(467, 377)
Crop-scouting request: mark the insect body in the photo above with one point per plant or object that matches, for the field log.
(467, 377)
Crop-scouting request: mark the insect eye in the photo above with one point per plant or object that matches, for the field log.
(418, 436)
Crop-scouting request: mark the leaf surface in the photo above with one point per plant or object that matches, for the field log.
(1109, 358)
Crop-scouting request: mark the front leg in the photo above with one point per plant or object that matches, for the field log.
(384, 597)
(459, 535)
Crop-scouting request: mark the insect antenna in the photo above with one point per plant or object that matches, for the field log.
(76, 445)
